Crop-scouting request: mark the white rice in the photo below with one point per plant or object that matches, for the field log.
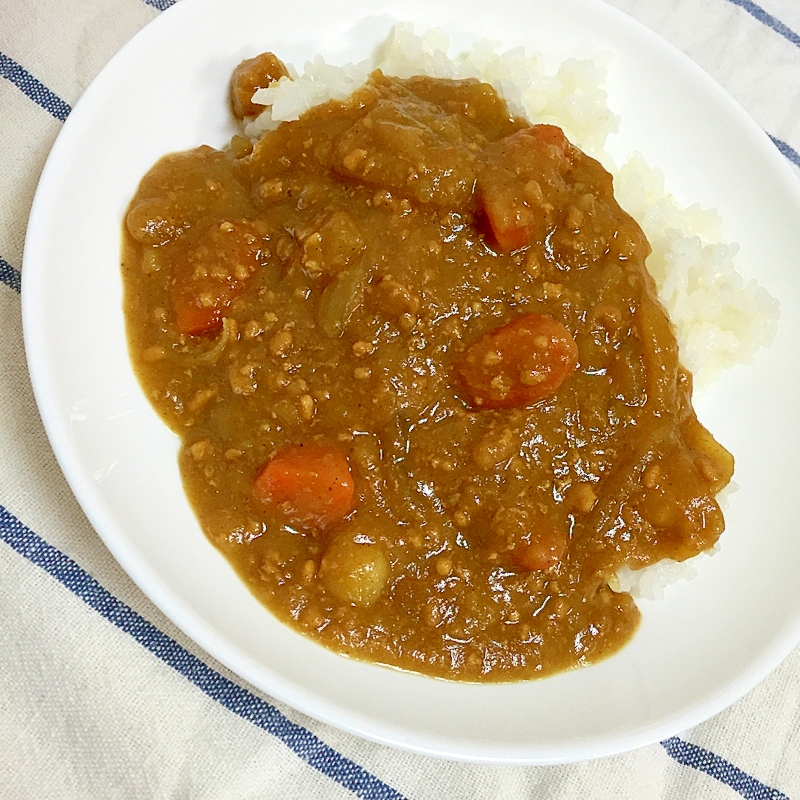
(720, 319)
(573, 98)
(649, 583)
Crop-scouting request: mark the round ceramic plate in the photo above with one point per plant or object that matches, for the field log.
(702, 647)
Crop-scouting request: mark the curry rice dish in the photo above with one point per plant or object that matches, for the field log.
(428, 399)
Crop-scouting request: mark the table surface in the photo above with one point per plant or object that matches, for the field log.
(102, 697)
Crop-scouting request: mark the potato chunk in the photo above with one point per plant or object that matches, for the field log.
(354, 569)
(251, 74)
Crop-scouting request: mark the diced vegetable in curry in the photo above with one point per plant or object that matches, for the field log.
(428, 399)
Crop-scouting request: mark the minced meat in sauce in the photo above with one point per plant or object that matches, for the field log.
(428, 399)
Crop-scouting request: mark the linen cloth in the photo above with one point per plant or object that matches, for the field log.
(100, 695)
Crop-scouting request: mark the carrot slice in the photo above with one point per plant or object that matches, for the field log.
(311, 484)
(548, 135)
(193, 318)
(521, 179)
(529, 537)
(518, 364)
(540, 549)
(213, 273)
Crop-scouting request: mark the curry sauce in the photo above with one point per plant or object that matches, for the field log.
(428, 399)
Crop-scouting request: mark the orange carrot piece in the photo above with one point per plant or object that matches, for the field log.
(194, 319)
(541, 549)
(212, 274)
(310, 483)
(516, 186)
(550, 135)
(518, 364)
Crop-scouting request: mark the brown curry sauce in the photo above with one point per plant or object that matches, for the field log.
(428, 399)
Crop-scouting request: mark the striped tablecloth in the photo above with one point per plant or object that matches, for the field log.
(101, 697)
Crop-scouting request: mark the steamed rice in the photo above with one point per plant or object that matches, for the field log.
(720, 319)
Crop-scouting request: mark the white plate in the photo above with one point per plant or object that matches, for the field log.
(703, 647)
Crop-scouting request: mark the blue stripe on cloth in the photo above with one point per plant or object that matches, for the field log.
(33, 88)
(690, 755)
(161, 5)
(767, 19)
(10, 276)
(787, 150)
(238, 700)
